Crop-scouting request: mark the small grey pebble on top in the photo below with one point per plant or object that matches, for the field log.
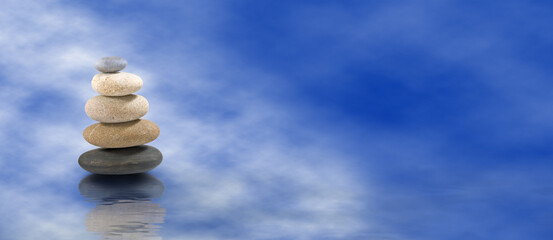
(110, 64)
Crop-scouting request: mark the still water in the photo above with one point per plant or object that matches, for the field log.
(292, 198)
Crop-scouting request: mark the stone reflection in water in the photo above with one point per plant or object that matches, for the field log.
(124, 208)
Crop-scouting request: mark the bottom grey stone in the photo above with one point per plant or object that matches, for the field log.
(120, 161)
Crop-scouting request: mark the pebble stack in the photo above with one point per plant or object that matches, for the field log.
(120, 126)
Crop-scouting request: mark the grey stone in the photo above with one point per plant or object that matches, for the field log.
(121, 161)
(110, 64)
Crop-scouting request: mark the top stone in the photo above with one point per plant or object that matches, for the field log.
(110, 64)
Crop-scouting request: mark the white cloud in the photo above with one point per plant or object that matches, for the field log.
(223, 165)
(35, 213)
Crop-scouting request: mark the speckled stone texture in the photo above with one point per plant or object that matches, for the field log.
(120, 135)
(116, 84)
(116, 109)
(110, 64)
(121, 161)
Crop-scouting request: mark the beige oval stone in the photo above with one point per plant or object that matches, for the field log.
(116, 109)
(120, 135)
(116, 84)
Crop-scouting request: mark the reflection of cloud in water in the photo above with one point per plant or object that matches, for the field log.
(124, 207)
(279, 195)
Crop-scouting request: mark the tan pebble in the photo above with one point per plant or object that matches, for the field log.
(116, 84)
(120, 135)
(108, 109)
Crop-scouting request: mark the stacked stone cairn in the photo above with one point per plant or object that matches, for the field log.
(121, 132)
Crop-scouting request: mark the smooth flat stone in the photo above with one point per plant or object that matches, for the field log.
(121, 161)
(108, 109)
(116, 84)
(121, 135)
(110, 64)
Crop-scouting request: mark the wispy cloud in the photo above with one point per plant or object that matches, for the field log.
(220, 166)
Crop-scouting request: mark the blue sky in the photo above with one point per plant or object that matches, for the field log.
(373, 114)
